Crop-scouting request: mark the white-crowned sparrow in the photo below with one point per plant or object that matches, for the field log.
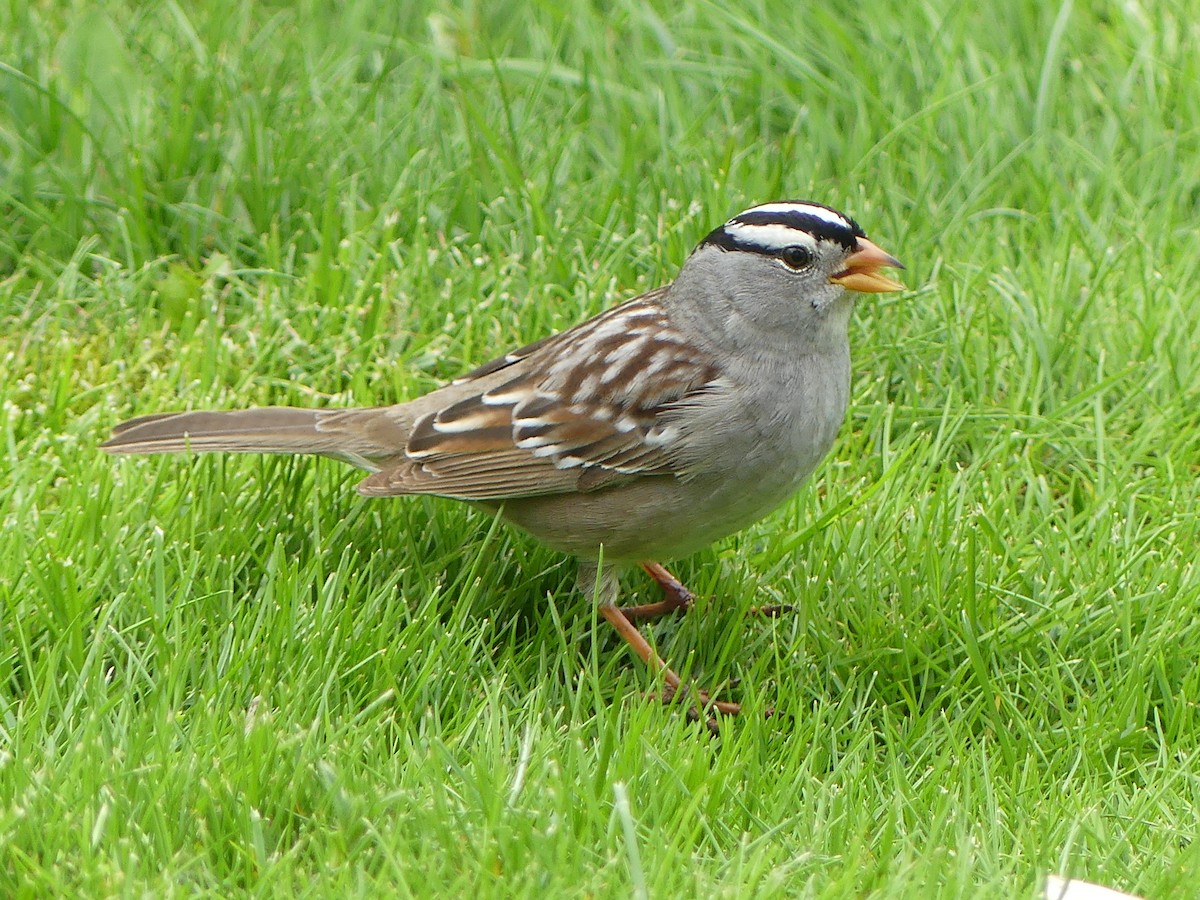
(651, 430)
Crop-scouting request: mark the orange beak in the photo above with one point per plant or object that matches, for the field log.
(862, 270)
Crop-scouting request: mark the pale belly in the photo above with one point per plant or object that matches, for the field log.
(656, 518)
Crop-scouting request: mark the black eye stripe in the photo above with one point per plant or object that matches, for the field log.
(821, 229)
(726, 240)
(836, 227)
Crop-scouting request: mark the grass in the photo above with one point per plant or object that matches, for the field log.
(225, 676)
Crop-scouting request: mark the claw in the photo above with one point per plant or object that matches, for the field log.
(700, 705)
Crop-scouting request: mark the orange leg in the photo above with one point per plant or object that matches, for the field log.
(675, 686)
(605, 587)
(676, 598)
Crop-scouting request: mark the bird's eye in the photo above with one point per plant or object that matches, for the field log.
(796, 257)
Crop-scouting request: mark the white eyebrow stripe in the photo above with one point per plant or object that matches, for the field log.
(769, 237)
(804, 209)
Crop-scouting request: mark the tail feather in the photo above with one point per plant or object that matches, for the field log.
(355, 435)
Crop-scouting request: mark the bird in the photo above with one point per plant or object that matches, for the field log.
(639, 436)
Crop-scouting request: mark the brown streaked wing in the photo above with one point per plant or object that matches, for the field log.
(492, 476)
(589, 398)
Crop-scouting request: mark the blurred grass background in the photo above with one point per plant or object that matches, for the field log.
(235, 676)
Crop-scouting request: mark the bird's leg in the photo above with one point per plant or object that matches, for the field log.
(676, 598)
(675, 689)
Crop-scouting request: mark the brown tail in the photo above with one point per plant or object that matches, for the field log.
(358, 436)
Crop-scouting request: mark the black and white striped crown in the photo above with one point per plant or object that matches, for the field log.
(772, 227)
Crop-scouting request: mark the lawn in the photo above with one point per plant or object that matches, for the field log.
(226, 676)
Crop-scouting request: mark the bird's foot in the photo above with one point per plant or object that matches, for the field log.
(701, 706)
(676, 597)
